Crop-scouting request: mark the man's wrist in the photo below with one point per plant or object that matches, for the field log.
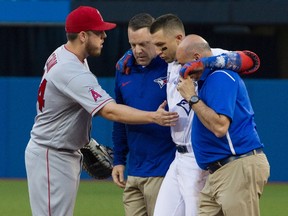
(193, 100)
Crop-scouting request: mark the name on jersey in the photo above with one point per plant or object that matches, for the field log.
(51, 61)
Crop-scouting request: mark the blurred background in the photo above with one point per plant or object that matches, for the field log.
(31, 29)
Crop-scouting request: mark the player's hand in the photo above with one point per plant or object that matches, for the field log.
(165, 118)
(125, 62)
(118, 175)
(191, 68)
(250, 62)
(186, 87)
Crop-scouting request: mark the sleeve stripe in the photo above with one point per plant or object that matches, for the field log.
(101, 105)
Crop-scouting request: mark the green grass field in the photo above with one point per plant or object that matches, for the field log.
(103, 198)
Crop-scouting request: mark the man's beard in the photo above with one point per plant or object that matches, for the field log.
(93, 50)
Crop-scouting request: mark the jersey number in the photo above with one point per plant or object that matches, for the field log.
(41, 91)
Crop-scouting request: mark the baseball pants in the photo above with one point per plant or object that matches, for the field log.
(179, 192)
(53, 180)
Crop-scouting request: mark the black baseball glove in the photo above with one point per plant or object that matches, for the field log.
(97, 160)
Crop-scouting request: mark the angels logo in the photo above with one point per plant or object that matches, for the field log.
(94, 94)
(185, 105)
(162, 81)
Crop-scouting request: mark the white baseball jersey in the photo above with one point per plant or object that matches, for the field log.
(181, 132)
(179, 192)
(68, 97)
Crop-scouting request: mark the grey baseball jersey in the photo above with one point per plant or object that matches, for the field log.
(69, 95)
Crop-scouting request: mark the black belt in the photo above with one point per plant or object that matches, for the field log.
(182, 149)
(216, 165)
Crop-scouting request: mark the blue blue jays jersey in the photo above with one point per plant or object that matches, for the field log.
(150, 147)
(224, 92)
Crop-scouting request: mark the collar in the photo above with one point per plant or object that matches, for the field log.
(205, 74)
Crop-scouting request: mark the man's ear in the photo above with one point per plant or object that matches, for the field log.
(197, 56)
(179, 38)
(83, 36)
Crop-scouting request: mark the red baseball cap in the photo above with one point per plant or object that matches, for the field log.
(85, 18)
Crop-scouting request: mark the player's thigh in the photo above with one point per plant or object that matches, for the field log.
(133, 198)
(191, 178)
(191, 181)
(169, 200)
(36, 169)
(64, 177)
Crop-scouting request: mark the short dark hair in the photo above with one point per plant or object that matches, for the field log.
(71, 36)
(167, 22)
(141, 20)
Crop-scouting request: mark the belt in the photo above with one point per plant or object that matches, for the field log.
(183, 149)
(216, 165)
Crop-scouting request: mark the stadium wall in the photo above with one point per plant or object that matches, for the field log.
(34, 12)
(17, 111)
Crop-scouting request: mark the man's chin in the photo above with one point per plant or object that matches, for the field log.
(143, 62)
(168, 60)
(95, 54)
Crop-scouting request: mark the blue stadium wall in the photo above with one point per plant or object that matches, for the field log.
(17, 111)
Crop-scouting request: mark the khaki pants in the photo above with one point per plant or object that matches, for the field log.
(235, 189)
(140, 195)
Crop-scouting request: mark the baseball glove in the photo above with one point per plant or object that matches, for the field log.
(97, 160)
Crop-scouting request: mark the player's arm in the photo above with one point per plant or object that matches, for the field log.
(242, 62)
(125, 63)
(129, 115)
(218, 124)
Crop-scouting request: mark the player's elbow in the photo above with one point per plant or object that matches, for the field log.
(108, 112)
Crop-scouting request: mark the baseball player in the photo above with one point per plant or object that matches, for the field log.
(69, 96)
(179, 192)
(224, 136)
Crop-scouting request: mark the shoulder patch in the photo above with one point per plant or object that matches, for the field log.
(94, 94)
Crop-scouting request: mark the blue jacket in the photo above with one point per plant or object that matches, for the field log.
(150, 147)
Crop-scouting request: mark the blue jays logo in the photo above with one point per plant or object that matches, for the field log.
(185, 105)
(162, 81)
